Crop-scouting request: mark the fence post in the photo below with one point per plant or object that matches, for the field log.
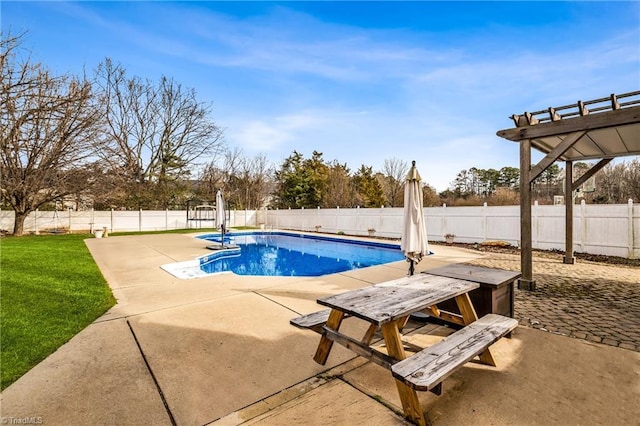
(140, 220)
(166, 219)
(69, 213)
(583, 219)
(444, 220)
(484, 221)
(630, 228)
(35, 223)
(112, 230)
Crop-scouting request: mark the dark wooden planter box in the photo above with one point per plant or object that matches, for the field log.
(495, 294)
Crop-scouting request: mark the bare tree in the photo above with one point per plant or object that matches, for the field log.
(610, 183)
(504, 196)
(430, 196)
(49, 127)
(395, 172)
(245, 182)
(155, 134)
(232, 164)
(210, 180)
(252, 183)
(632, 179)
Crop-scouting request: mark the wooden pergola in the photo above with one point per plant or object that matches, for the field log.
(600, 129)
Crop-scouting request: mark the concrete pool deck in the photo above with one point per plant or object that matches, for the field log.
(220, 350)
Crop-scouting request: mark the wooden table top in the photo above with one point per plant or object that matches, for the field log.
(388, 301)
(477, 274)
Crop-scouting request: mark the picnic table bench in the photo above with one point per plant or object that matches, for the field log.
(313, 321)
(387, 306)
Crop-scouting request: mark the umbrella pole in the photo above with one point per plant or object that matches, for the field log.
(411, 267)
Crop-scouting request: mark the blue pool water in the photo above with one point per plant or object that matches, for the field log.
(285, 254)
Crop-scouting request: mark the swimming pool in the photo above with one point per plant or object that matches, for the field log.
(289, 254)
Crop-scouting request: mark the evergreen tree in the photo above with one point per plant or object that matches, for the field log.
(300, 182)
(369, 190)
(509, 177)
(340, 190)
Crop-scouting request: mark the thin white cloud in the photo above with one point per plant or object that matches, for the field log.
(273, 134)
(543, 75)
(266, 43)
(261, 136)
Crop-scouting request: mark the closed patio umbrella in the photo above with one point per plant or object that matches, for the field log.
(220, 214)
(414, 242)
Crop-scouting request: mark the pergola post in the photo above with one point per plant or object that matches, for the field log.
(526, 282)
(568, 214)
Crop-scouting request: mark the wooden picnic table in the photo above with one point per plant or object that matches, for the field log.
(387, 306)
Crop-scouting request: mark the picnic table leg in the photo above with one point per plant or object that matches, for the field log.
(324, 347)
(408, 396)
(466, 308)
(469, 315)
(370, 333)
(402, 321)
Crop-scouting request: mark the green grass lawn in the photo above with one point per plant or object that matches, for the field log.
(50, 289)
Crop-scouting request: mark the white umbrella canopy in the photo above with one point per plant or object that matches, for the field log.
(220, 214)
(414, 243)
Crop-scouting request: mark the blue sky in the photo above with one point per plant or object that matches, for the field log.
(359, 81)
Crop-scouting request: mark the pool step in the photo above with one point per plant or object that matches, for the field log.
(218, 247)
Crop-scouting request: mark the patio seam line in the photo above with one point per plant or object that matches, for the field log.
(266, 398)
(142, 284)
(153, 376)
(344, 274)
(322, 378)
(377, 398)
(273, 301)
(127, 316)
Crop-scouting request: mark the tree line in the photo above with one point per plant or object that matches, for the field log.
(616, 183)
(110, 140)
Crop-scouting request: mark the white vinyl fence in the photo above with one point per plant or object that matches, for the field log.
(607, 229)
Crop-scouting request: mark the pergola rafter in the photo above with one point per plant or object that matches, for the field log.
(603, 128)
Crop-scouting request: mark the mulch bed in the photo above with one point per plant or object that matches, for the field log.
(508, 249)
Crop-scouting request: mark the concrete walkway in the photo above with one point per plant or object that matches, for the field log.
(220, 350)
